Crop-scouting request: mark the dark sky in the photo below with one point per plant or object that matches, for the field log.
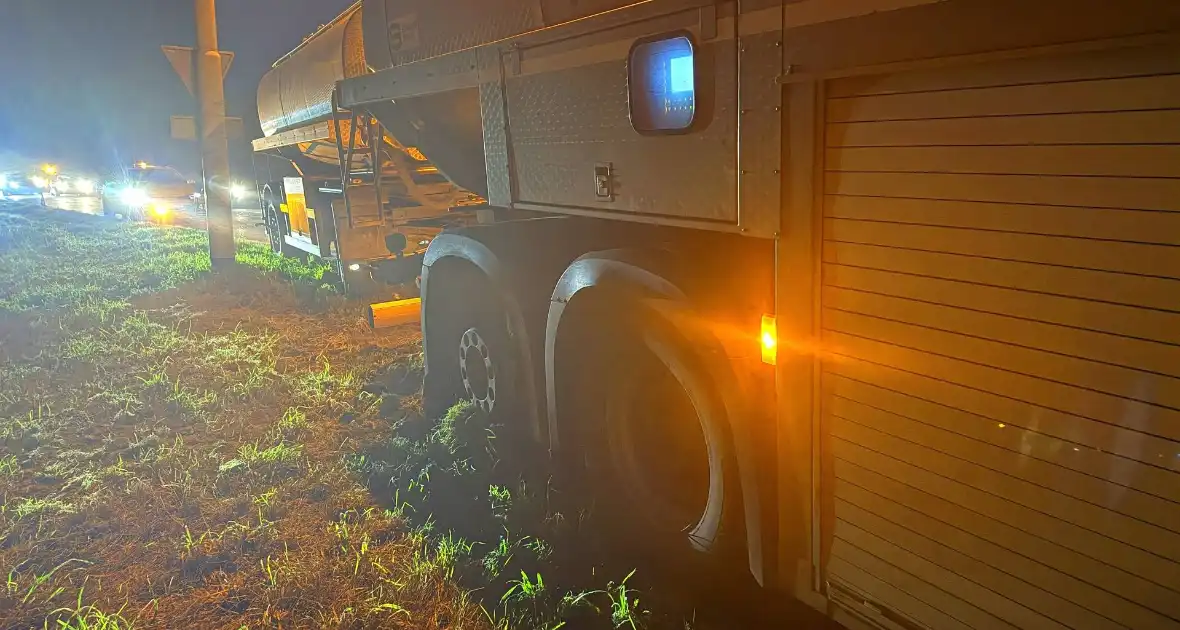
(83, 82)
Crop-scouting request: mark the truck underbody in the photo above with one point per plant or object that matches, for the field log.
(885, 314)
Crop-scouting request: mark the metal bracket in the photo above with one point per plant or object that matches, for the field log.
(376, 146)
(513, 55)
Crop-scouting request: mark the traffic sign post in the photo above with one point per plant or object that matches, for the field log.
(202, 72)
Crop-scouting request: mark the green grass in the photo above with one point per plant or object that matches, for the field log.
(29, 507)
(9, 466)
(250, 456)
(171, 439)
(87, 617)
(261, 257)
(293, 420)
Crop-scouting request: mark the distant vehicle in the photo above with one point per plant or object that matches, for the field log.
(14, 186)
(72, 185)
(149, 192)
(242, 193)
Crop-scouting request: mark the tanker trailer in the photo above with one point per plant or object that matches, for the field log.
(357, 196)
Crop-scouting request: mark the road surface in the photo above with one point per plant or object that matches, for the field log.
(248, 223)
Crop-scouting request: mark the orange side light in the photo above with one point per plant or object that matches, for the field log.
(769, 340)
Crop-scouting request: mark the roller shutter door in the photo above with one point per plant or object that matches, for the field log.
(1001, 319)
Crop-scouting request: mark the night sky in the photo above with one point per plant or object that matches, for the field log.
(83, 82)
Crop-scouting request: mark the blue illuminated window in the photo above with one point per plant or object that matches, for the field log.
(662, 85)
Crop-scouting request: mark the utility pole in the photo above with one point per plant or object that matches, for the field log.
(214, 139)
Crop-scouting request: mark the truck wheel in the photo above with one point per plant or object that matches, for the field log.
(276, 221)
(471, 357)
(657, 449)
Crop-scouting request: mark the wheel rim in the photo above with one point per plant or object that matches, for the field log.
(477, 370)
(659, 451)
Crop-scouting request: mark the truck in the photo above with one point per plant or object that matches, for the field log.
(355, 196)
(874, 301)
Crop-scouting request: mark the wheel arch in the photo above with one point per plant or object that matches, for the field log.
(627, 281)
(460, 252)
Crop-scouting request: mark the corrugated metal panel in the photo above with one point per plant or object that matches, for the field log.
(1001, 320)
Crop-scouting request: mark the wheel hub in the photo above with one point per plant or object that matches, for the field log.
(477, 370)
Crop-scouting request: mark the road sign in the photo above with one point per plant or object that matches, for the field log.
(185, 128)
(181, 58)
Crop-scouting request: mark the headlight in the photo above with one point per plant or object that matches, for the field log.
(238, 192)
(84, 186)
(161, 209)
(134, 196)
(39, 182)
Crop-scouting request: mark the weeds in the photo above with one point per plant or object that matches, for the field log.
(29, 507)
(9, 466)
(88, 617)
(250, 456)
(293, 419)
(625, 610)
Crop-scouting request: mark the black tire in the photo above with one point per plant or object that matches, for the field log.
(470, 354)
(655, 447)
(276, 221)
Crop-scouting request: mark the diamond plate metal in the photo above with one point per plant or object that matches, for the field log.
(564, 122)
(495, 128)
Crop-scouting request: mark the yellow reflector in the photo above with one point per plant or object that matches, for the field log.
(769, 339)
(396, 313)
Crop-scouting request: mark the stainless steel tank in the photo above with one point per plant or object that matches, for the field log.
(298, 89)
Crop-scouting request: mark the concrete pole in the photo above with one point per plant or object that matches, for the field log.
(214, 138)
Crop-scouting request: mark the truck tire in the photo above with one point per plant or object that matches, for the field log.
(276, 221)
(469, 352)
(656, 451)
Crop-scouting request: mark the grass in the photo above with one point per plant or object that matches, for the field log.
(173, 450)
(187, 449)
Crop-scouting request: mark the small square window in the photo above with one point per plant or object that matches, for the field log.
(662, 85)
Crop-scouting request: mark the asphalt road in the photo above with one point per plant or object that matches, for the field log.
(248, 223)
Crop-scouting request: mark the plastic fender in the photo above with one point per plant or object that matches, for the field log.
(629, 281)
